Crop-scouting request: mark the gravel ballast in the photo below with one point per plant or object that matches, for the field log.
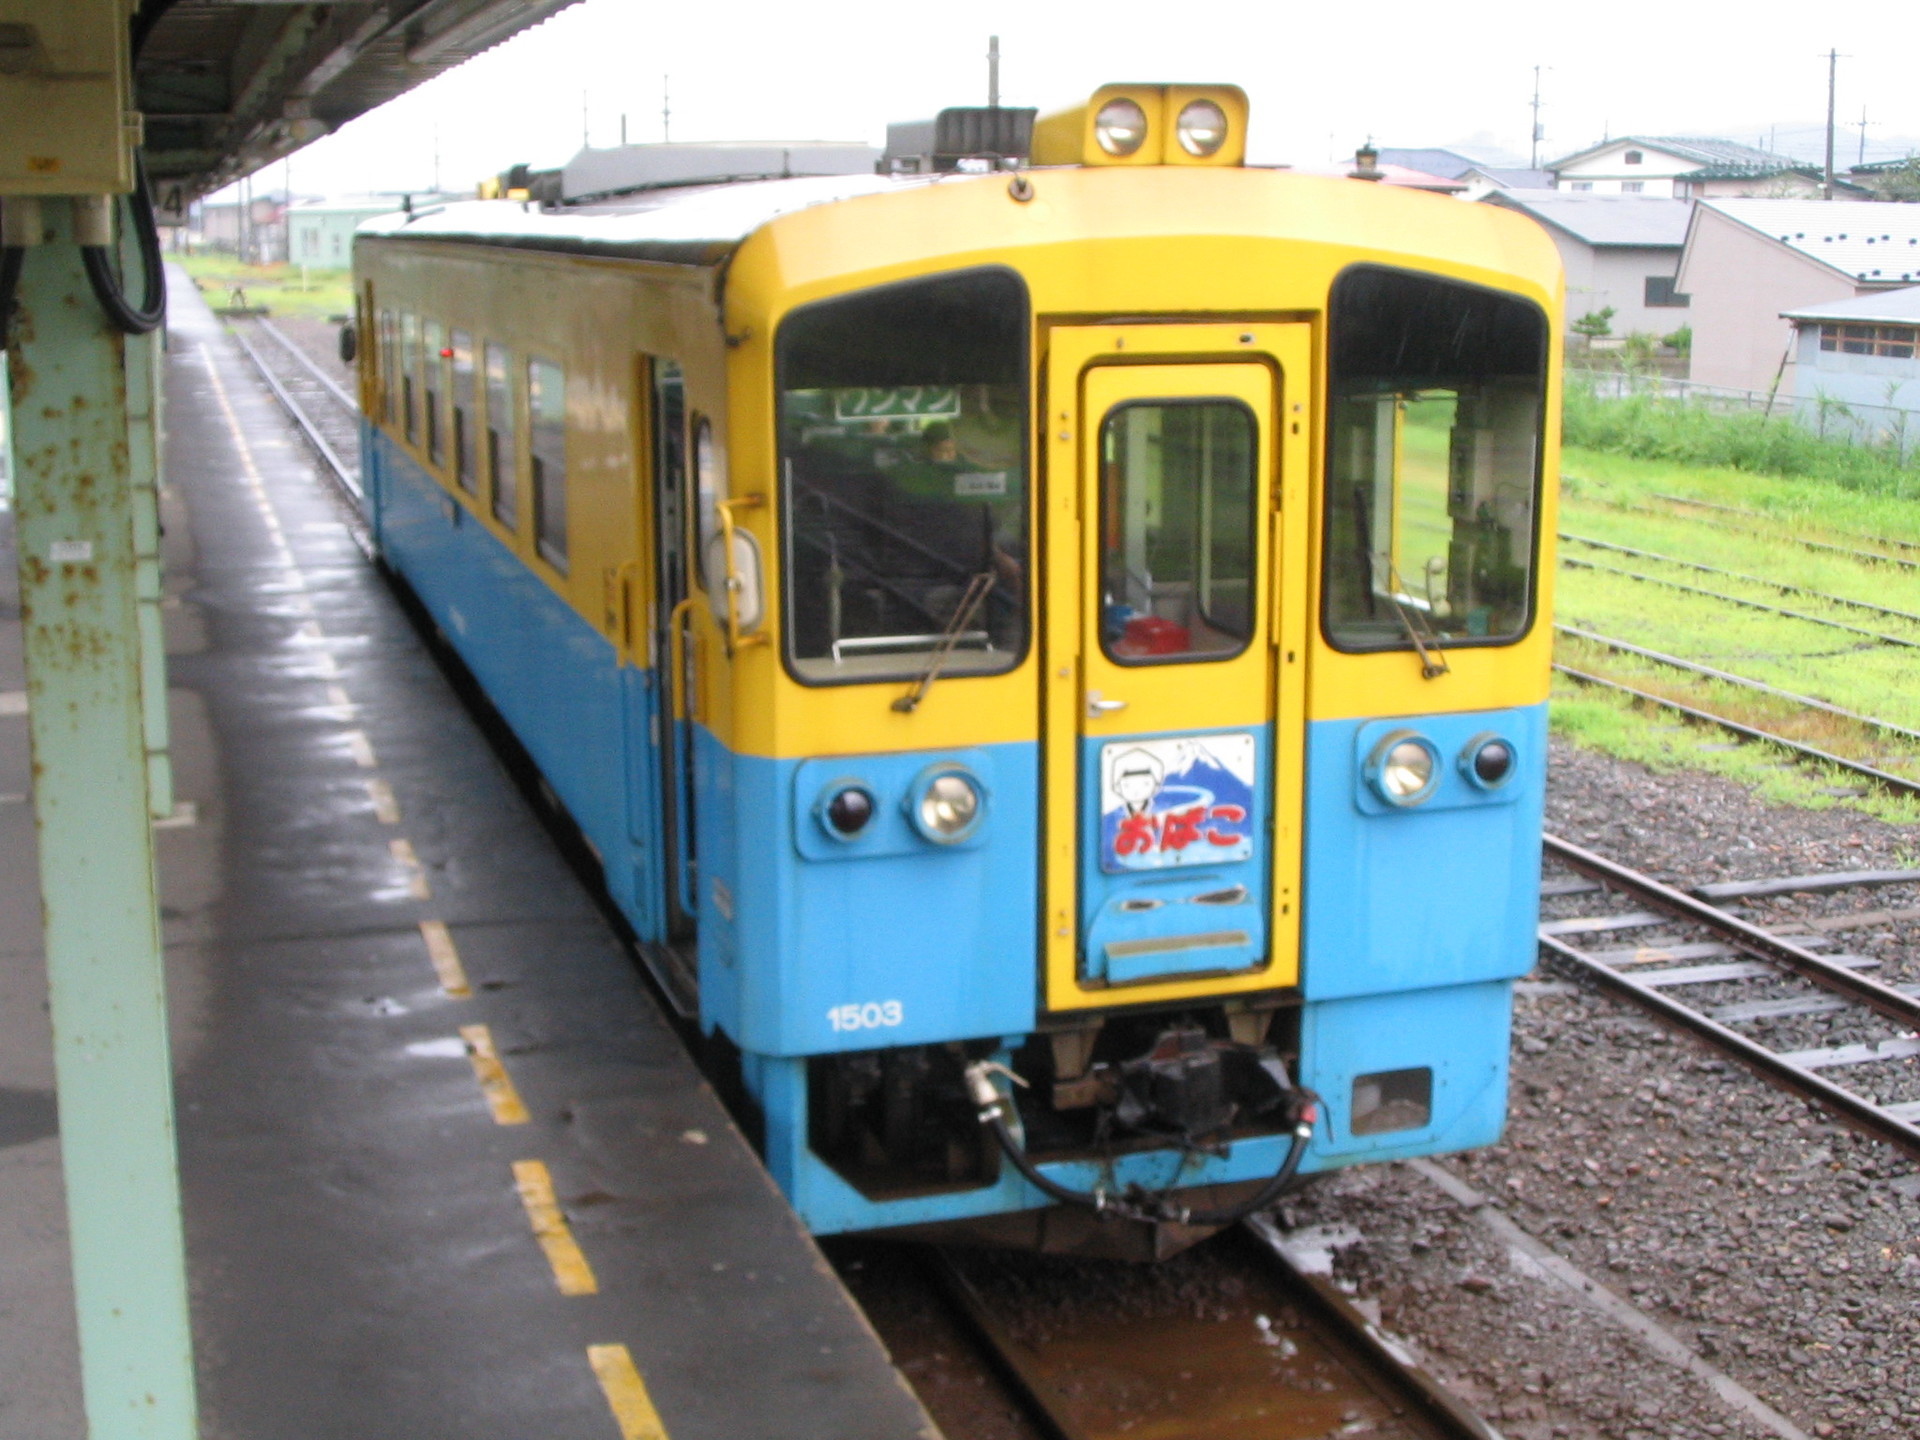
(1776, 1245)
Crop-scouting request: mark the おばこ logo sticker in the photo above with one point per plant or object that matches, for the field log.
(1187, 801)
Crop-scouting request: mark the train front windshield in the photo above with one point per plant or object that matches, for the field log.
(1433, 466)
(903, 459)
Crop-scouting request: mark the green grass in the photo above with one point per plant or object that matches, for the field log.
(278, 287)
(1616, 497)
(1652, 427)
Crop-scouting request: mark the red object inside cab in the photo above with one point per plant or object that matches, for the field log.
(1153, 635)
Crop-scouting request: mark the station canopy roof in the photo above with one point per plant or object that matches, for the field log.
(229, 86)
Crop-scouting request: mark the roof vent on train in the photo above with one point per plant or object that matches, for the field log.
(961, 137)
(622, 169)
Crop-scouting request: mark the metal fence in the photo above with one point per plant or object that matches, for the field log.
(1887, 427)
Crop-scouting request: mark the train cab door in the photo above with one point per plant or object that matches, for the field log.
(664, 753)
(1176, 594)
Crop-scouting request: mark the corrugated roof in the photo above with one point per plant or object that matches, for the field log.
(1873, 243)
(1604, 221)
(1727, 158)
(1447, 164)
(1892, 307)
(1514, 179)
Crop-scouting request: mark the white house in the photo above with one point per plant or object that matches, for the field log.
(1621, 251)
(1684, 167)
(1747, 263)
(320, 232)
(1862, 354)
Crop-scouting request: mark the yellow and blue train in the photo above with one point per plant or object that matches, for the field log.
(1048, 645)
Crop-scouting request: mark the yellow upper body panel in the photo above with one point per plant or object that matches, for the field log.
(1092, 245)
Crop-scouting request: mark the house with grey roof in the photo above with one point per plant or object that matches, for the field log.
(1621, 251)
(1473, 178)
(1747, 263)
(1693, 168)
(1857, 364)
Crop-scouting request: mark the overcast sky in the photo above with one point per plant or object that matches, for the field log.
(1322, 78)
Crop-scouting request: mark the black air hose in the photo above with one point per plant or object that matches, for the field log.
(101, 275)
(1159, 1207)
(12, 257)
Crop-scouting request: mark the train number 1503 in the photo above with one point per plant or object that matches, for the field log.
(874, 1015)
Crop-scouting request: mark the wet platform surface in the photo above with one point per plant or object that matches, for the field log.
(359, 908)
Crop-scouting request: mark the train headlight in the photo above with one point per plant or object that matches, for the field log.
(1201, 128)
(1403, 768)
(1121, 127)
(1487, 761)
(846, 810)
(947, 805)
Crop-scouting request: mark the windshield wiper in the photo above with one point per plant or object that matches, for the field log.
(1433, 661)
(963, 613)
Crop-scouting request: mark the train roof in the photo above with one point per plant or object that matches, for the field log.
(705, 225)
(681, 224)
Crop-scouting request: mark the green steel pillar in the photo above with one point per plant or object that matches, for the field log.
(84, 404)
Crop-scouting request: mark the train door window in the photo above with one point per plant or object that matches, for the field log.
(433, 387)
(503, 475)
(465, 473)
(389, 365)
(1433, 463)
(410, 378)
(547, 425)
(1178, 483)
(903, 463)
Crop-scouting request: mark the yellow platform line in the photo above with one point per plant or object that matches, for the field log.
(495, 1083)
(626, 1393)
(341, 701)
(446, 959)
(403, 854)
(570, 1269)
(386, 809)
(361, 749)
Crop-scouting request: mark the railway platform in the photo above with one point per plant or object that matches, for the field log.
(447, 1168)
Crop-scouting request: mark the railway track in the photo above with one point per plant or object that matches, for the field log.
(1248, 1336)
(1742, 511)
(1784, 1002)
(1867, 557)
(324, 413)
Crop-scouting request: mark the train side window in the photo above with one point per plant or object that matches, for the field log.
(547, 445)
(1436, 404)
(903, 465)
(503, 475)
(389, 366)
(432, 388)
(1178, 488)
(465, 473)
(410, 378)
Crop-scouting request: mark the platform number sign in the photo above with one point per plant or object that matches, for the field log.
(170, 202)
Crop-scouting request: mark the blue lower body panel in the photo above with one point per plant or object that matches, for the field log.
(811, 944)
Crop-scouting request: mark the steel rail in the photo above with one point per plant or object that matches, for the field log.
(1796, 1080)
(1779, 585)
(1877, 636)
(1415, 1386)
(1896, 783)
(1763, 515)
(1420, 1400)
(1869, 556)
(1741, 934)
(344, 477)
(346, 484)
(347, 402)
(1728, 677)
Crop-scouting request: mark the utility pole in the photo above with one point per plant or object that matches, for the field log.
(1533, 162)
(586, 142)
(666, 108)
(1863, 137)
(1833, 74)
(993, 72)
